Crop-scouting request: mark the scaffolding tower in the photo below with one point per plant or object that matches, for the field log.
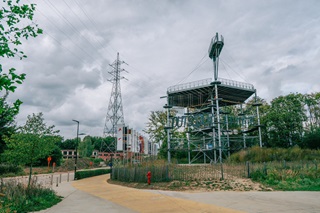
(206, 119)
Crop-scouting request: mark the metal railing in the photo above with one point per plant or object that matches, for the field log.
(238, 84)
(189, 85)
(206, 82)
(45, 180)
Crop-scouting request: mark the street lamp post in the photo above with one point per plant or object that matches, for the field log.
(76, 158)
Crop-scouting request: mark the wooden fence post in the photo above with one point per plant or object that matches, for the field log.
(167, 173)
(221, 165)
(248, 169)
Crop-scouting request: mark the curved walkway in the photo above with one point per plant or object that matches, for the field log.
(96, 195)
(143, 201)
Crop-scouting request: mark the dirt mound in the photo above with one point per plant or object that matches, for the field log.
(68, 164)
(200, 186)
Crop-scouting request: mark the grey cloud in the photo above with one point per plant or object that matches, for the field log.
(271, 44)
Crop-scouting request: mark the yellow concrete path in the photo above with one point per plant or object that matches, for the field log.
(142, 201)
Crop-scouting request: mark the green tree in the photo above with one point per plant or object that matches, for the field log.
(14, 27)
(86, 147)
(156, 130)
(156, 125)
(107, 144)
(33, 141)
(12, 30)
(7, 125)
(311, 139)
(284, 120)
(312, 102)
(55, 154)
(68, 144)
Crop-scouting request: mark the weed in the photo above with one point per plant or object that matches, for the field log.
(20, 198)
(257, 154)
(226, 187)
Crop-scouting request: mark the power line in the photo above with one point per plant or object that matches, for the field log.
(62, 45)
(93, 23)
(66, 36)
(95, 26)
(69, 23)
(84, 26)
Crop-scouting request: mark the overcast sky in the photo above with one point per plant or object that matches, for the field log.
(272, 44)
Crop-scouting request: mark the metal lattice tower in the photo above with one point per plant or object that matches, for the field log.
(114, 115)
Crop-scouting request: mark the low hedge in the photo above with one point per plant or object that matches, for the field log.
(91, 173)
(10, 169)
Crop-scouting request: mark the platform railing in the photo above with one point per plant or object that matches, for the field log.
(206, 82)
(233, 83)
(189, 85)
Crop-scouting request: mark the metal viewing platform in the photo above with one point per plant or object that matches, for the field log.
(206, 119)
(198, 93)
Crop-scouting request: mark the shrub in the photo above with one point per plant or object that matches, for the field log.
(9, 169)
(91, 173)
(20, 198)
(257, 154)
(96, 161)
(288, 176)
(258, 175)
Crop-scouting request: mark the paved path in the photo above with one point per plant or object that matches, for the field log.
(143, 201)
(77, 201)
(257, 202)
(96, 195)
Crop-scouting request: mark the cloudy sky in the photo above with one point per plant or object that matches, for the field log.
(272, 44)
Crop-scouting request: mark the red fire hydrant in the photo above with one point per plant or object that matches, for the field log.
(149, 177)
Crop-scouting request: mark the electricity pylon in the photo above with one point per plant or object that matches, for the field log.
(114, 115)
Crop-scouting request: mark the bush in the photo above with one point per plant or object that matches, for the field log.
(96, 161)
(20, 198)
(312, 139)
(9, 169)
(288, 176)
(258, 175)
(257, 154)
(91, 173)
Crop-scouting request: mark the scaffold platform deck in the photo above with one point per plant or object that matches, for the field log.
(197, 94)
